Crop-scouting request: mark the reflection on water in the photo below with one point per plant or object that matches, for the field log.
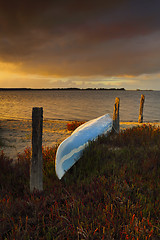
(78, 105)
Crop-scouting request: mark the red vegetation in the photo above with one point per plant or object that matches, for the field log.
(121, 200)
(73, 125)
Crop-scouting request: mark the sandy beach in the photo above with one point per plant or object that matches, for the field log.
(16, 134)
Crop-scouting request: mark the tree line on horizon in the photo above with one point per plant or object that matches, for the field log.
(44, 89)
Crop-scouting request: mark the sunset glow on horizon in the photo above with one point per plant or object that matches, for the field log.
(96, 44)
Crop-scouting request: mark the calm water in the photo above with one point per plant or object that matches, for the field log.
(78, 105)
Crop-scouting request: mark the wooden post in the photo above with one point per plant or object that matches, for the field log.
(116, 116)
(36, 169)
(140, 119)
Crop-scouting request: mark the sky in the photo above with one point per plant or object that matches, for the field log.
(84, 44)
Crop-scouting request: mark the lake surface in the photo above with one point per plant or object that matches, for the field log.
(78, 104)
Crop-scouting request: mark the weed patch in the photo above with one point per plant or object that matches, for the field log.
(73, 125)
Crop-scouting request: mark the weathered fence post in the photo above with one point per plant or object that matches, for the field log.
(36, 171)
(116, 116)
(140, 119)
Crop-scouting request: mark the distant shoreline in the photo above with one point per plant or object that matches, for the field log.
(72, 89)
(50, 89)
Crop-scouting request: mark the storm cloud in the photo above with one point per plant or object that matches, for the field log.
(81, 38)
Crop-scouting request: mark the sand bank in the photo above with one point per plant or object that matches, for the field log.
(16, 135)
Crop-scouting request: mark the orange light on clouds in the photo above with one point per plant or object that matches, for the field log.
(10, 74)
(14, 75)
(8, 70)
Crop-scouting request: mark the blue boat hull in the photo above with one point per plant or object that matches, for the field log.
(70, 150)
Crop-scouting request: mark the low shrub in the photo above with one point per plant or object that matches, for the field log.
(73, 125)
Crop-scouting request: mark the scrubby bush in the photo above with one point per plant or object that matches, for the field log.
(73, 125)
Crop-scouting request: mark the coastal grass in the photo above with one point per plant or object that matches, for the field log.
(112, 192)
(1, 142)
